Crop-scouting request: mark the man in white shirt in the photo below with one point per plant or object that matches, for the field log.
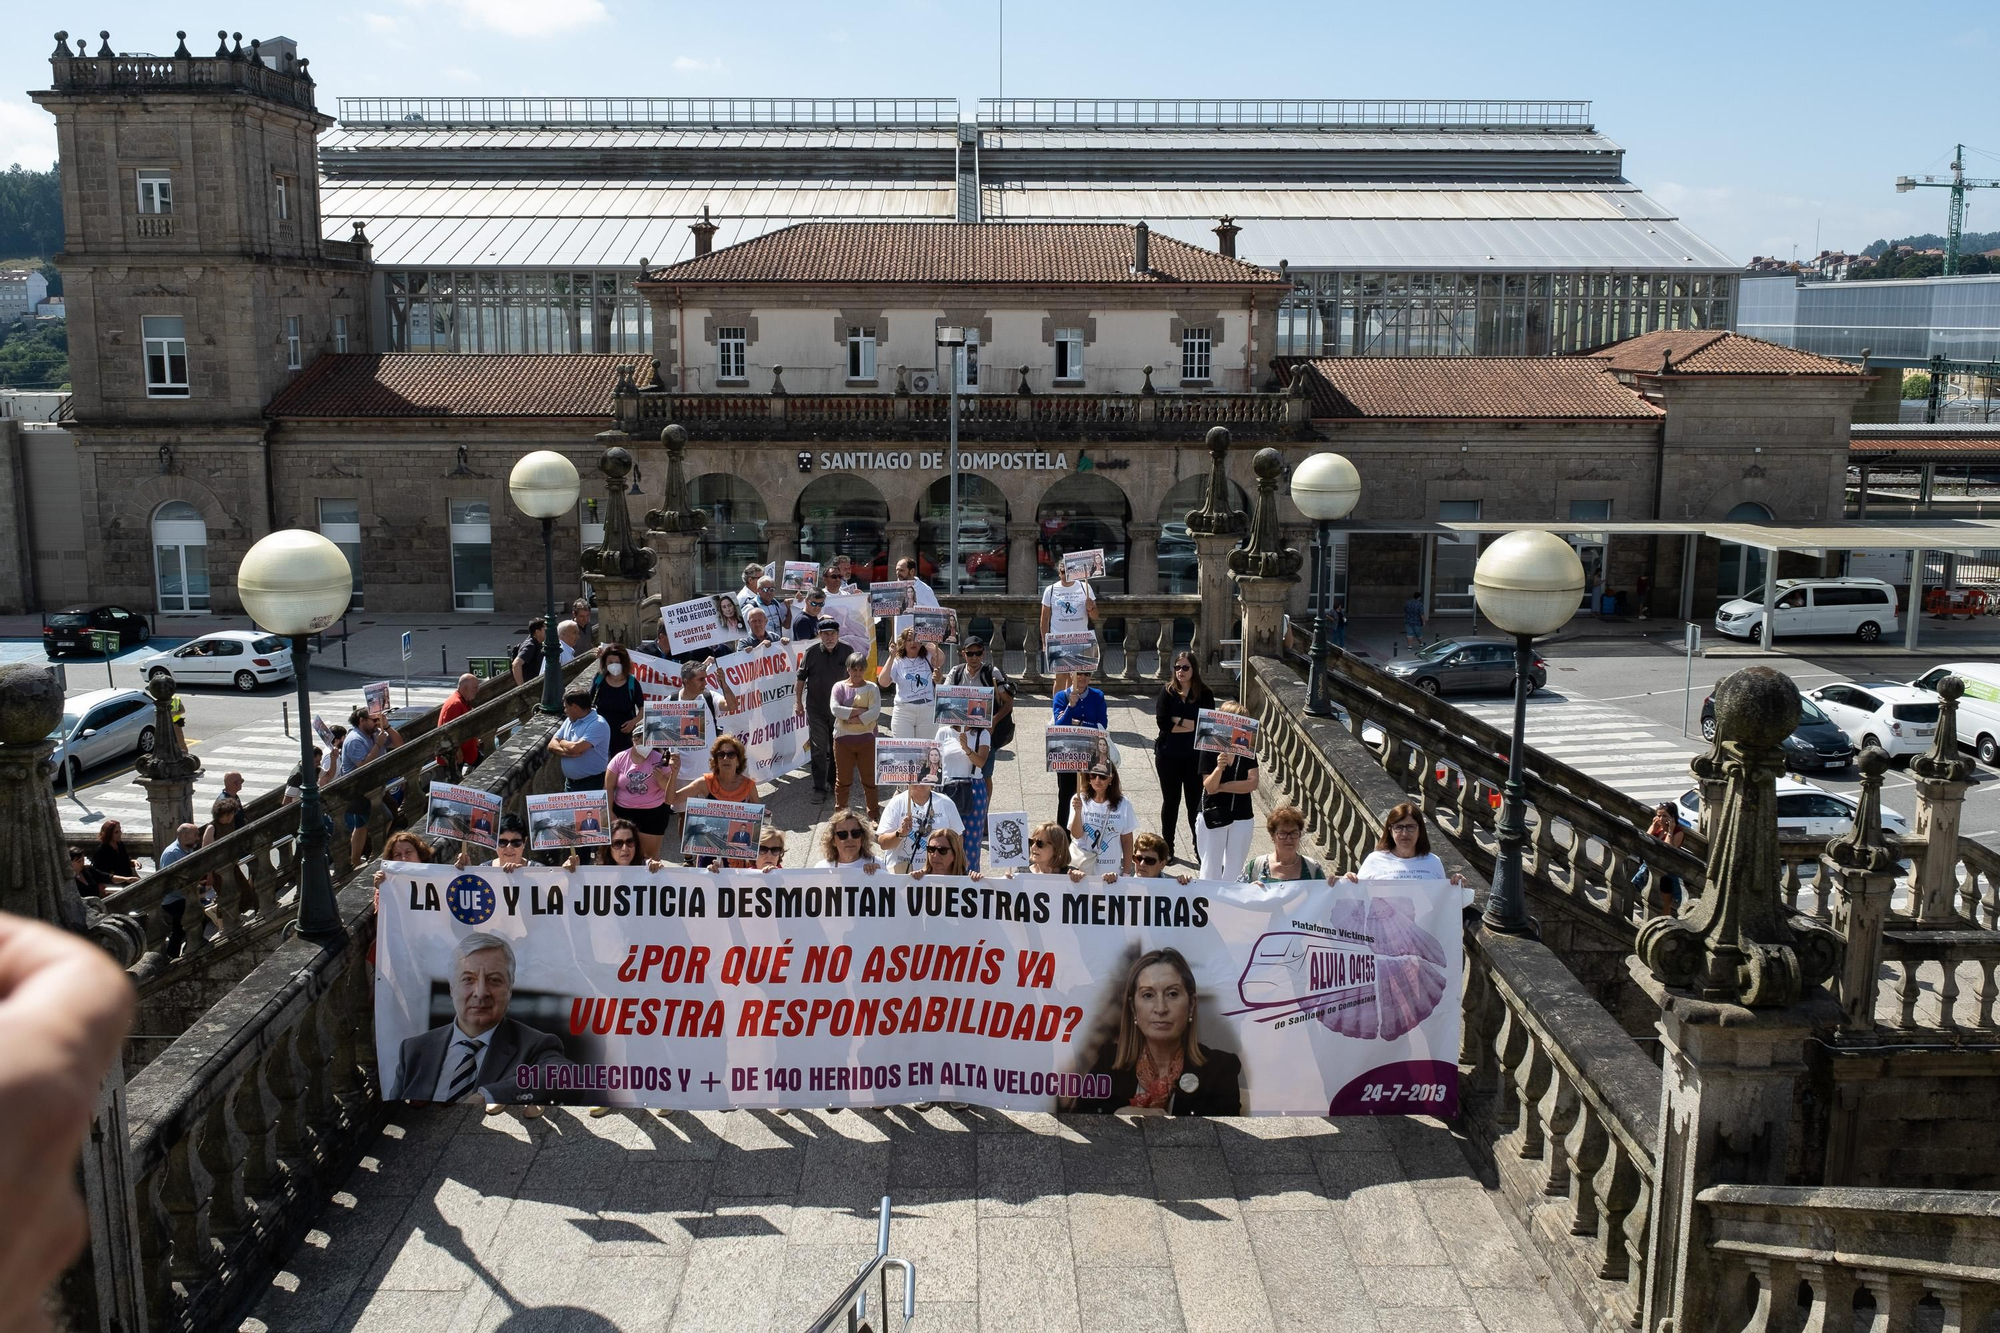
(570, 637)
(1069, 605)
(753, 574)
(909, 818)
(906, 571)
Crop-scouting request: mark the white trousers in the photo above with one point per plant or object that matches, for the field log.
(914, 722)
(1223, 850)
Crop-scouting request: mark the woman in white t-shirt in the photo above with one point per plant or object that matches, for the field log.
(1102, 823)
(1404, 851)
(1069, 605)
(913, 669)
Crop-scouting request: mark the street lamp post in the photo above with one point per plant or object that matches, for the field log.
(1326, 488)
(952, 337)
(296, 583)
(1526, 583)
(545, 485)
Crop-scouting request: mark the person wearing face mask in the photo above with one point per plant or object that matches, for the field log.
(637, 779)
(615, 695)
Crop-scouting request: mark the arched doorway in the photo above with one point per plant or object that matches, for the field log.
(180, 558)
(1740, 569)
(982, 534)
(1179, 570)
(1081, 512)
(734, 534)
(840, 514)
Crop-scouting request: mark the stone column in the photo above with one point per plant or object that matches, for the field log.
(1021, 553)
(781, 542)
(1266, 571)
(1263, 614)
(1218, 596)
(1941, 776)
(902, 542)
(1142, 559)
(34, 860)
(676, 554)
(1864, 879)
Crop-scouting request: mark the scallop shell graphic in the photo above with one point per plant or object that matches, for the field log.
(1376, 976)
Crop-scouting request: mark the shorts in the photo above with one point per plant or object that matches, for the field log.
(357, 815)
(650, 820)
(1413, 627)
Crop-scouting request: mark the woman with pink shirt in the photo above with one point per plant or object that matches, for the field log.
(638, 780)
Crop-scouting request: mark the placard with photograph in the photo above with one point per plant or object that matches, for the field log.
(965, 705)
(1006, 840)
(900, 763)
(1076, 749)
(673, 724)
(1225, 733)
(569, 819)
(702, 622)
(1071, 652)
(934, 624)
(800, 575)
(1084, 564)
(324, 732)
(463, 814)
(891, 598)
(375, 697)
(722, 828)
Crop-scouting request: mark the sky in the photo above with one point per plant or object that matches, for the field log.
(1765, 127)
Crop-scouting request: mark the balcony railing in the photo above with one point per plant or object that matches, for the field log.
(1279, 113)
(716, 112)
(203, 73)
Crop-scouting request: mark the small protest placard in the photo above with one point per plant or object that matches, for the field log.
(1071, 652)
(891, 598)
(1085, 564)
(800, 575)
(934, 624)
(569, 819)
(903, 762)
(324, 732)
(965, 705)
(376, 697)
(1225, 733)
(672, 724)
(1076, 749)
(1006, 840)
(463, 814)
(702, 622)
(727, 829)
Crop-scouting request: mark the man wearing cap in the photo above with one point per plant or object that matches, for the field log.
(974, 669)
(823, 666)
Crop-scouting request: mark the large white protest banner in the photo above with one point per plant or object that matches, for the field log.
(766, 718)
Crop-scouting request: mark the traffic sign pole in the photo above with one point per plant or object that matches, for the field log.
(407, 650)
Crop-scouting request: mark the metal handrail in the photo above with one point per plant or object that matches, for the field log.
(853, 1302)
(647, 112)
(1274, 112)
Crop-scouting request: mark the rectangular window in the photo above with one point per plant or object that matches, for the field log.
(471, 555)
(730, 350)
(292, 350)
(156, 192)
(284, 199)
(861, 354)
(1069, 354)
(166, 355)
(1458, 511)
(340, 523)
(1590, 511)
(1197, 349)
(340, 333)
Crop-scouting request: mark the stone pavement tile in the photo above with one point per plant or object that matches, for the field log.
(938, 1231)
(663, 1197)
(1410, 1319)
(945, 1316)
(738, 1249)
(1215, 1269)
(445, 1237)
(1191, 1173)
(1261, 1146)
(1107, 1163)
(1020, 1175)
(1378, 1211)
(318, 1278)
(400, 1160)
(1350, 1133)
(1521, 1311)
(843, 1181)
(490, 1157)
(682, 1134)
(1483, 1247)
(1310, 1282)
(924, 1156)
(401, 1311)
(1163, 1131)
(537, 1254)
(1431, 1155)
(806, 1279)
(1026, 1278)
(1392, 1288)
(1116, 1230)
(1131, 1300)
(636, 1294)
(1302, 1192)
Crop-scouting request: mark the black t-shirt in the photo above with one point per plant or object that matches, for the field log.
(617, 705)
(530, 658)
(1236, 804)
(1173, 707)
(111, 860)
(819, 672)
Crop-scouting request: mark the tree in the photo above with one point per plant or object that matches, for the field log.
(31, 221)
(34, 354)
(1916, 384)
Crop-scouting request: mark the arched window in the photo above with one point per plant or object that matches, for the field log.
(1079, 513)
(1739, 570)
(734, 533)
(982, 533)
(1179, 570)
(180, 557)
(840, 514)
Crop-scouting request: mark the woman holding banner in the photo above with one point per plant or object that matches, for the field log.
(1048, 853)
(1404, 850)
(944, 854)
(913, 670)
(846, 843)
(1157, 1063)
(724, 781)
(1284, 863)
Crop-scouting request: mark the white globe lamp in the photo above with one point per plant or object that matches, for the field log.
(1326, 488)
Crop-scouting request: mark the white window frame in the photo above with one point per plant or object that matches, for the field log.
(284, 198)
(155, 192)
(346, 534)
(168, 348)
(294, 355)
(340, 333)
(1069, 356)
(732, 353)
(468, 534)
(1197, 355)
(860, 355)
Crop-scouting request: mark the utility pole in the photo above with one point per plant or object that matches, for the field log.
(1958, 184)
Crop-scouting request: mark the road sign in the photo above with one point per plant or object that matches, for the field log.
(407, 650)
(105, 641)
(486, 668)
(407, 645)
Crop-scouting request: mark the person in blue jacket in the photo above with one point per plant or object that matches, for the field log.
(1077, 704)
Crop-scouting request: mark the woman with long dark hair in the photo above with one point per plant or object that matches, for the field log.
(1157, 1063)
(615, 695)
(1174, 756)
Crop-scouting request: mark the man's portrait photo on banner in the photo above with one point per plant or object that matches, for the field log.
(481, 1050)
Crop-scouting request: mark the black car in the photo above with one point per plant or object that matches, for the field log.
(69, 631)
(1818, 743)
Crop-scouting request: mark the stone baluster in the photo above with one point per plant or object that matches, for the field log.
(1862, 872)
(185, 1190)
(1942, 776)
(254, 1109)
(34, 860)
(285, 1073)
(155, 1248)
(1031, 671)
(1130, 673)
(1588, 1144)
(229, 1214)
(1163, 671)
(1533, 1077)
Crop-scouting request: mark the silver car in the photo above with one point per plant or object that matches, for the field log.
(98, 728)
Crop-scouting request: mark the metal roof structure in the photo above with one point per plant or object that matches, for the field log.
(1961, 536)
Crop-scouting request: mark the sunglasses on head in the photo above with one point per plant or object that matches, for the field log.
(513, 842)
(846, 834)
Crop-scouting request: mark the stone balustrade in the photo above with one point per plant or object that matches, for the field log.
(236, 71)
(1017, 619)
(1891, 1260)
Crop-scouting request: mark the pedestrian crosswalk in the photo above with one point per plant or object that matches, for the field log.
(260, 751)
(1645, 760)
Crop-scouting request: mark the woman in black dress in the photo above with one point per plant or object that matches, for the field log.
(1173, 750)
(1157, 1065)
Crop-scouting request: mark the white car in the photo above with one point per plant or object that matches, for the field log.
(1978, 709)
(240, 657)
(1804, 811)
(1864, 608)
(1900, 719)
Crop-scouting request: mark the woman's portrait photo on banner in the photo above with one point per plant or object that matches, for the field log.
(1076, 749)
(1085, 564)
(934, 624)
(891, 598)
(902, 763)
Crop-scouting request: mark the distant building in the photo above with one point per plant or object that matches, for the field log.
(1837, 265)
(21, 290)
(53, 308)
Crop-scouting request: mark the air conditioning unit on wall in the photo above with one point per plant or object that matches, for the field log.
(925, 381)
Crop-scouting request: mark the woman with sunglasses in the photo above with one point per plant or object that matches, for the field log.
(1149, 854)
(913, 669)
(1174, 757)
(1404, 850)
(724, 781)
(1284, 863)
(846, 843)
(770, 850)
(944, 854)
(626, 849)
(615, 695)
(1102, 822)
(1048, 853)
(510, 852)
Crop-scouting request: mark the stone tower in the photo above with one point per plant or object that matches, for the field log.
(198, 286)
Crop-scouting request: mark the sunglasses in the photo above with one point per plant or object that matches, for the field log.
(1147, 860)
(846, 834)
(513, 842)
(775, 849)
(943, 848)
(1402, 828)
(1288, 833)
(1040, 842)
(624, 842)
(975, 652)
(1182, 667)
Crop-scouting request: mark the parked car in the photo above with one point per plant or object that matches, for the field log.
(1804, 811)
(239, 657)
(1817, 743)
(98, 727)
(1464, 666)
(1863, 608)
(1978, 707)
(69, 631)
(1901, 719)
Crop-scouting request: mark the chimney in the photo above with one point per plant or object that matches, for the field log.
(1142, 249)
(704, 233)
(1225, 236)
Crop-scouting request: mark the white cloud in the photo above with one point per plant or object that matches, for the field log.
(529, 18)
(695, 65)
(27, 136)
(381, 24)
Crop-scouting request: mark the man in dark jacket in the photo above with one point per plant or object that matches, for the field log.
(823, 666)
(481, 1050)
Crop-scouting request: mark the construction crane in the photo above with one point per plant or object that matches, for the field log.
(1958, 185)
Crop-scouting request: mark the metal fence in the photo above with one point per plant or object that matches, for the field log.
(646, 111)
(1260, 112)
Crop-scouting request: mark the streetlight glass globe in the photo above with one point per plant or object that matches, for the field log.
(544, 484)
(1528, 583)
(1326, 488)
(295, 582)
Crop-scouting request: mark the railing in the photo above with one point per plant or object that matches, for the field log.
(556, 112)
(1822, 1258)
(1017, 617)
(108, 73)
(852, 1304)
(155, 228)
(1945, 980)
(1277, 113)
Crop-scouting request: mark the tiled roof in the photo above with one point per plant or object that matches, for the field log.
(963, 252)
(1563, 388)
(1714, 352)
(439, 384)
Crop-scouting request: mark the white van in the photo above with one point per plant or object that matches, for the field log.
(1864, 608)
(1978, 707)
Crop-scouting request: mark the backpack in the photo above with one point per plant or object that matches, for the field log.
(1002, 730)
